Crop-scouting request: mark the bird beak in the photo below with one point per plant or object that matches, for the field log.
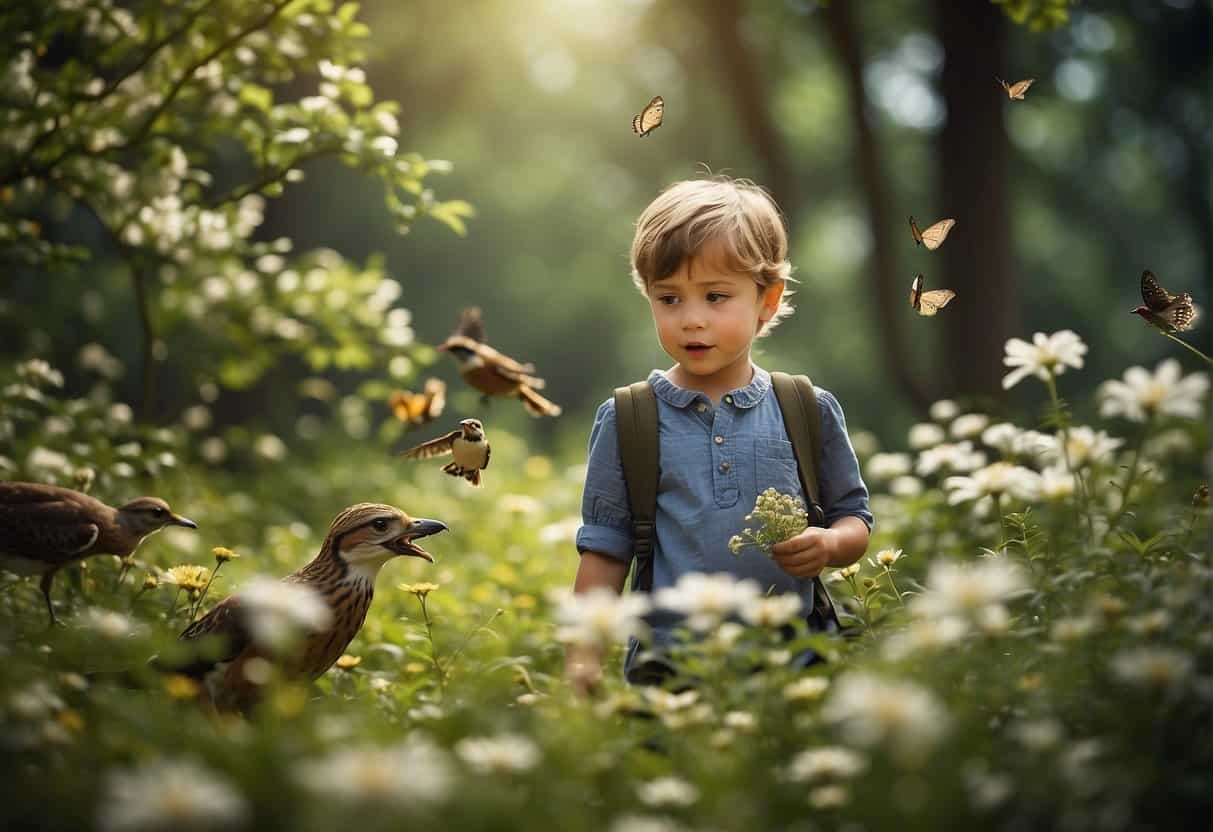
(443, 347)
(417, 528)
(178, 520)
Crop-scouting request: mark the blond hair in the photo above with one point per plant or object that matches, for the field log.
(734, 213)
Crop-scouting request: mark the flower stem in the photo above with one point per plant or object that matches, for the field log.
(893, 584)
(198, 605)
(1188, 346)
(1051, 381)
(429, 634)
(1127, 488)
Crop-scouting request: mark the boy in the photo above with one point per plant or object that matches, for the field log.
(711, 257)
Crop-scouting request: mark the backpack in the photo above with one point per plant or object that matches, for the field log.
(639, 452)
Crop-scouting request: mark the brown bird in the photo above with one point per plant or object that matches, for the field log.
(468, 445)
(44, 528)
(360, 540)
(492, 373)
(1168, 312)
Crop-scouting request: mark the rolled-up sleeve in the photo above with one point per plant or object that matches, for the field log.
(606, 521)
(843, 493)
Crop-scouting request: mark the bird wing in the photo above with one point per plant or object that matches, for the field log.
(435, 447)
(226, 620)
(488, 453)
(51, 531)
(508, 367)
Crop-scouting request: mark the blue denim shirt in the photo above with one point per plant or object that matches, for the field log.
(714, 463)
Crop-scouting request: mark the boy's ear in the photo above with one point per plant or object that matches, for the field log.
(771, 296)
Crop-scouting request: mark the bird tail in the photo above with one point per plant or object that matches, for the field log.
(536, 404)
(472, 475)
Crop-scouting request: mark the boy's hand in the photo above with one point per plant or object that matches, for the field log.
(806, 554)
(583, 670)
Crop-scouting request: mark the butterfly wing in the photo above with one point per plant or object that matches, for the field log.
(934, 236)
(435, 399)
(915, 291)
(1153, 294)
(929, 303)
(435, 447)
(1017, 90)
(916, 232)
(650, 117)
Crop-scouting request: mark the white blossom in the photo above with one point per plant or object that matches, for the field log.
(993, 481)
(400, 775)
(885, 466)
(967, 590)
(959, 457)
(278, 611)
(969, 426)
(1154, 667)
(1165, 392)
(599, 617)
(1047, 354)
(501, 753)
(667, 791)
(944, 410)
(926, 435)
(1084, 446)
(772, 610)
(815, 764)
(872, 710)
(170, 794)
(708, 599)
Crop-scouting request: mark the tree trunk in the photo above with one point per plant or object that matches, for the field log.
(972, 150)
(888, 292)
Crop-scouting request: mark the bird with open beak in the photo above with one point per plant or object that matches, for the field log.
(361, 539)
(492, 373)
(468, 444)
(44, 528)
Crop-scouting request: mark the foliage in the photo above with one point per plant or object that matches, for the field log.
(1017, 674)
(1040, 15)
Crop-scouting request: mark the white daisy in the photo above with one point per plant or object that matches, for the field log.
(944, 410)
(818, 763)
(170, 794)
(959, 458)
(993, 481)
(965, 590)
(884, 467)
(598, 618)
(970, 425)
(502, 753)
(1046, 355)
(1166, 392)
(708, 599)
(278, 612)
(1084, 446)
(926, 435)
(667, 791)
(1154, 667)
(402, 775)
(771, 611)
(872, 710)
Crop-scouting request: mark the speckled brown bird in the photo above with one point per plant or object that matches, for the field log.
(492, 373)
(44, 528)
(360, 540)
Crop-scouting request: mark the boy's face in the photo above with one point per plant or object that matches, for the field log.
(707, 316)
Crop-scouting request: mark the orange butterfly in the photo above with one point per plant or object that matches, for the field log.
(935, 234)
(649, 119)
(419, 408)
(1016, 91)
(928, 303)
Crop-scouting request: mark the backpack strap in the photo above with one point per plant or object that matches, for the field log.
(640, 454)
(802, 420)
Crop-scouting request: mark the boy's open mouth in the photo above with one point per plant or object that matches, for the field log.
(697, 348)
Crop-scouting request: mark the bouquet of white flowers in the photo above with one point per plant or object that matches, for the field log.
(779, 516)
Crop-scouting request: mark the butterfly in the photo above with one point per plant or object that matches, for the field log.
(1168, 312)
(649, 119)
(419, 408)
(935, 234)
(1016, 91)
(928, 303)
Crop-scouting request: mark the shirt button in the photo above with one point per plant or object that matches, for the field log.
(724, 467)
(719, 440)
(728, 399)
(701, 407)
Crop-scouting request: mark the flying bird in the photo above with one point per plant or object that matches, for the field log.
(419, 408)
(935, 234)
(490, 372)
(649, 119)
(342, 576)
(1016, 91)
(44, 528)
(930, 302)
(1168, 312)
(469, 446)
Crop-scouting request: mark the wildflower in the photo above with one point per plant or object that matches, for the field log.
(163, 794)
(278, 612)
(1154, 667)
(1150, 623)
(499, 754)
(991, 482)
(644, 823)
(562, 531)
(109, 623)
(845, 572)
(519, 504)
(1002, 437)
(223, 554)
(37, 371)
(958, 457)
(926, 435)
(965, 590)
(664, 702)
(599, 617)
(421, 590)
(181, 687)
(771, 611)
(831, 761)
(808, 688)
(403, 775)
(1084, 446)
(925, 634)
(885, 558)
(969, 425)
(1166, 392)
(944, 410)
(740, 721)
(906, 486)
(705, 599)
(1056, 484)
(1037, 734)
(873, 710)
(1045, 357)
(884, 467)
(778, 517)
(187, 576)
(667, 791)
(35, 701)
(348, 662)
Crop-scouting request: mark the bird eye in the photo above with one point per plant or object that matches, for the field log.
(157, 512)
(380, 525)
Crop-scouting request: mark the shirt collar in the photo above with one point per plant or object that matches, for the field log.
(743, 397)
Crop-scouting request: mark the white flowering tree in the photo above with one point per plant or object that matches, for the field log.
(171, 125)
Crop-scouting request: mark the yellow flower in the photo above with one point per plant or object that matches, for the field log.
(348, 662)
(71, 720)
(419, 589)
(223, 554)
(187, 576)
(538, 467)
(150, 581)
(415, 667)
(181, 687)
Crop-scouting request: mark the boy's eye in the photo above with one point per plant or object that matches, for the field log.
(667, 300)
(713, 297)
